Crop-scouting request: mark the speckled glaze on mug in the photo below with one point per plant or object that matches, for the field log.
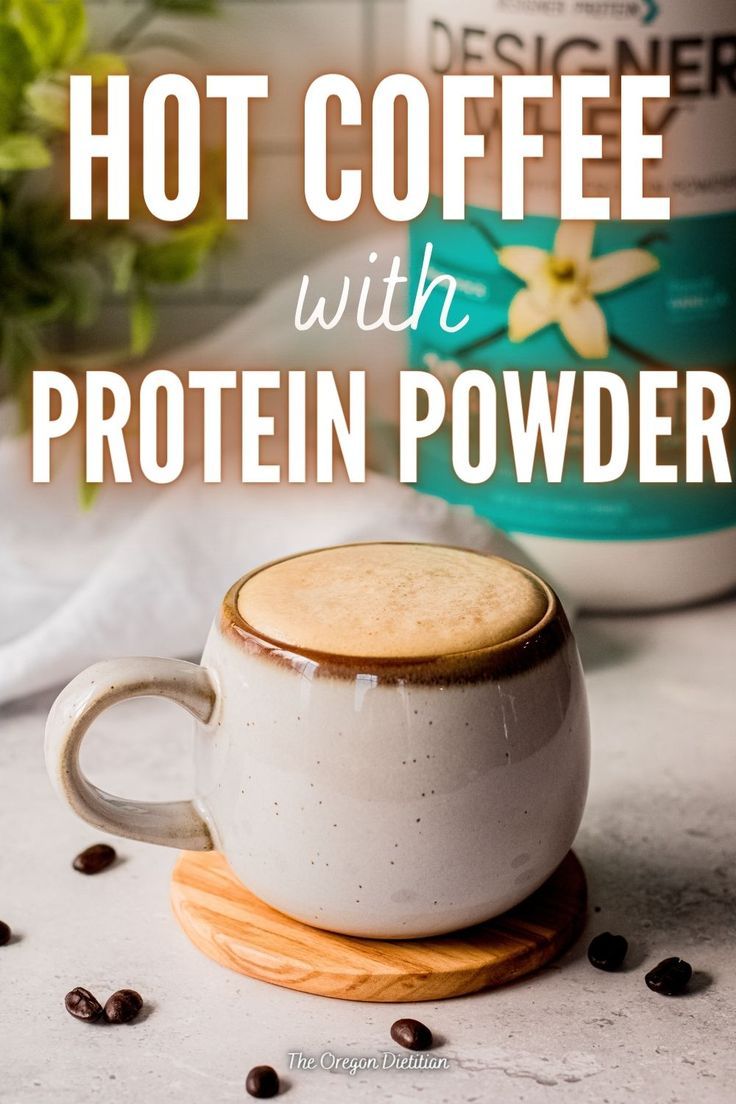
(379, 797)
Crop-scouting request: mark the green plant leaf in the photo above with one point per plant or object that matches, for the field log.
(40, 24)
(88, 493)
(48, 100)
(20, 350)
(179, 257)
(142, 322)
(101, 66)
(84, 288)
(50, 309)
(75, 31)
(54, 31)
(186, 7)
(23, 151)
(121, 254)
(16, 69)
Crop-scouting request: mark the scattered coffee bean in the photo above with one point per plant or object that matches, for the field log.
(82, 1005)
(5, 933)
(607, 952)
(411, 1034)
(123, 1006)
(262, 1081)
(95, 858)
(670, 977)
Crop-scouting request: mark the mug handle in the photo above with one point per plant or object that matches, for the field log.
(171, 823)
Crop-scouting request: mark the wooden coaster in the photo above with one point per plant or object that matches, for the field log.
(238, 930)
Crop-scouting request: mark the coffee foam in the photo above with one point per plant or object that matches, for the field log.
(399, 601)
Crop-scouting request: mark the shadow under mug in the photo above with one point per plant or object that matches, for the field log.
(375, 797)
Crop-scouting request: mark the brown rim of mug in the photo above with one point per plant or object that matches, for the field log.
(492, 661)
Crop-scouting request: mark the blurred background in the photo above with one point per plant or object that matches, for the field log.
(80, 295)
(292, 41)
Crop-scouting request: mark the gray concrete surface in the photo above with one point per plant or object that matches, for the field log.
(657, 842)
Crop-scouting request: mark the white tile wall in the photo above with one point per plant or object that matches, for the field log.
(282, 234)
(388, 36)
(292, 41)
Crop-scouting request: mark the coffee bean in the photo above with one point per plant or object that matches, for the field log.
(607, 952)
(670, 977)
(262, 1081)
(411, 1034)
(82, 1005)
(123, 1006)
(96, 858)
(5, 933)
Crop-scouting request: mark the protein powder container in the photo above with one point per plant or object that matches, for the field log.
(665, 297)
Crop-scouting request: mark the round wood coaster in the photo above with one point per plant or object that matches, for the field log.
(225, 920)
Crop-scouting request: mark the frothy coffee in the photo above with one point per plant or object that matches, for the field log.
(405, 601)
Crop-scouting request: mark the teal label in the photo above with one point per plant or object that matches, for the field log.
(621, 297)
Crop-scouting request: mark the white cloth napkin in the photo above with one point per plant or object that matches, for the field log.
(144, 576)
(142, 572)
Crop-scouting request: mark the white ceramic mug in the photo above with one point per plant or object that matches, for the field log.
(376, 797)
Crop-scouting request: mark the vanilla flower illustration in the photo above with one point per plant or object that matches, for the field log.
(562, 286)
